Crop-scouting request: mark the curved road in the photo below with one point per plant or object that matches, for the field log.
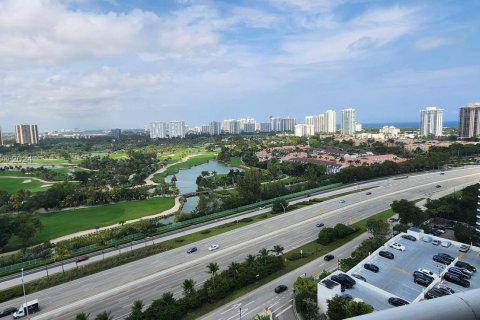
(147, 279)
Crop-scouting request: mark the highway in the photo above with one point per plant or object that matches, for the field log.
(147, 279)
(264, 297)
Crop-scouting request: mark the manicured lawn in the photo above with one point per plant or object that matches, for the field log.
(235, 161)
(58, 224)
(12, 185)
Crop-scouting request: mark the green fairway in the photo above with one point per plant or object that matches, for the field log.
(12, 185)
(58, 224)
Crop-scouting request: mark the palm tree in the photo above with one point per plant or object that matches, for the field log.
(82, 316)
(104, 316)
(212, 269)
(250, 259)
(234, 269)
(263, 253)
(136, 312)
(61, 252)
(278, 249)
(188, 286)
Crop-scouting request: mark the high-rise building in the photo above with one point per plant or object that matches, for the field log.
(116, 133)
(304, 130)
(249, 127)
(26, 134)
(176, 129)
(348, 121)
(1, 137)
(469, 126)
(358, 127)
(246, 121)
(265, 127)
(158, 130)
(215, 128)
(330, 121)
(205, 129)
(282, 124)
(321, 124)
(431, 122)
(234, 127)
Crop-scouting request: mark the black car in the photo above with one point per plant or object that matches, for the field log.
(422, 281)
(465, 265)
(280, 288)
(328, 257)
(371, 267)
(320, 224)
(453, 278)
(192, 250)
(7, 311)
(409, 237)
(434, 293)
(418, 274)
(344, 279)
(438, 186)
(460, 273)
(440, 259)
(436, 233)
(359, 277)
(346, 296)
(386, 254)
(368, 193)
(397, 302)
(447, 257)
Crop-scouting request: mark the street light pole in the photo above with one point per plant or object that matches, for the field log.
(240, 313)
(25, 296)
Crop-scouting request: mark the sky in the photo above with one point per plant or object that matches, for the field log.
(116, 63)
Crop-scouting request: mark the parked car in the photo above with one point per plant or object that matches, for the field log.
(440, 259)
(409, 237)
(418, 274)
(192, 250)
(422, 281)
(453, 278)
(436, 242)
(344, 279)
(465, 265)
(464, 248)
(280, 288)
(442, 173)
(346, 296)
(397, 302)
(371, 267)
(446, 244)
(446, 256)
(459, 272)
(213, 247)
(81, 259)
(427, 239)
(355, 275)
(386, 254)
(320, 224)
(397, 246)
(434, 293)
(445, 289)
(428, 273)
(329, 257)
(7, 311)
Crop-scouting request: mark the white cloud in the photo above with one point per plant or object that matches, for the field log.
(427, 44)
(311, 6)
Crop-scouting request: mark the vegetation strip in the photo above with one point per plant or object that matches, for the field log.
(44, 283)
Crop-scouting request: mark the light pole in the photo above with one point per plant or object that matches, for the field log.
(25, 296)
(240, 313)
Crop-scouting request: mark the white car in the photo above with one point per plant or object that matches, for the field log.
(446, 244)
(341, 201)
(213, 247)
(397, 246)
(428, 273)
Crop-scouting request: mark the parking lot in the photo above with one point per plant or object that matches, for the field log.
(396, 276)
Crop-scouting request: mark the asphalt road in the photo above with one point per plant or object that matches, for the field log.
(147, 279)
(280, 304)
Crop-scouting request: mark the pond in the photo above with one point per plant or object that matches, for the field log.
(186, 180)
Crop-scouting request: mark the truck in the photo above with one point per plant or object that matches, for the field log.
(32, 306)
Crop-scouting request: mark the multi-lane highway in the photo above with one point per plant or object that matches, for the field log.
(147, 279)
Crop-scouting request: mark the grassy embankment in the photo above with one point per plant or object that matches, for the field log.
(191, 162)
(58, 224)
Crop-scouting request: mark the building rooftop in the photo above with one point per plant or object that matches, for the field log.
(395, 277)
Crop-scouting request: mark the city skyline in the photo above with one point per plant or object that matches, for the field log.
(191, 60)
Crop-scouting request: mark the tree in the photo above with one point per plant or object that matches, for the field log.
(212, 269)
(278, 249)
(104, 316)
(5, 230)
(263, 254)
(188, 286)
(336, 308)
(61, 252)
(326, 236)
(249, 186)
(261, 317)
(353, 308)
(378, 227)
(136, 313)
(279, 206)
(82, 316)
(409, 212)
(26, 226)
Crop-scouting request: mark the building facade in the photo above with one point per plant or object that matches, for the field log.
(215, 128)
(176, 129)
(26, 134)
(265, 127)
(283, 124)
(431, 122)
(1, 137)
(158, 130)
(348, 121)
(469, 126)
(330, 121)
(116, 133)
(304, 130)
